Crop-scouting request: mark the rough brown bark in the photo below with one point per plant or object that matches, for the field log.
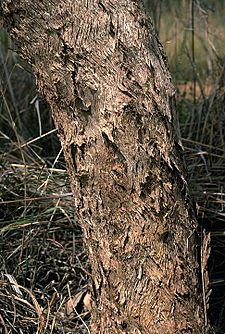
(101, 68)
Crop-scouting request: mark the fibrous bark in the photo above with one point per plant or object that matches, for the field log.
(101, 68)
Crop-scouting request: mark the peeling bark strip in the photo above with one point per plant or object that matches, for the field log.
(101, 68)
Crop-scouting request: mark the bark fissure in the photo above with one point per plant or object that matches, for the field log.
(101, 67)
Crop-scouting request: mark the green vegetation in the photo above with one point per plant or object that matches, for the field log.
(192, 33)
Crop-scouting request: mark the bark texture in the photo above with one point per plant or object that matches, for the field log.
(101, 68)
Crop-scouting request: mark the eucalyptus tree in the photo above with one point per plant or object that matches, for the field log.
(101, 68)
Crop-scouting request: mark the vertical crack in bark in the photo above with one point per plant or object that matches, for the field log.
(73, 152)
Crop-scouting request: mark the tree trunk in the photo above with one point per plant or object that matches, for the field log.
(102, 70)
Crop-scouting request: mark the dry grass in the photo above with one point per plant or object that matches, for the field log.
(43, 264)
(203, 140)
